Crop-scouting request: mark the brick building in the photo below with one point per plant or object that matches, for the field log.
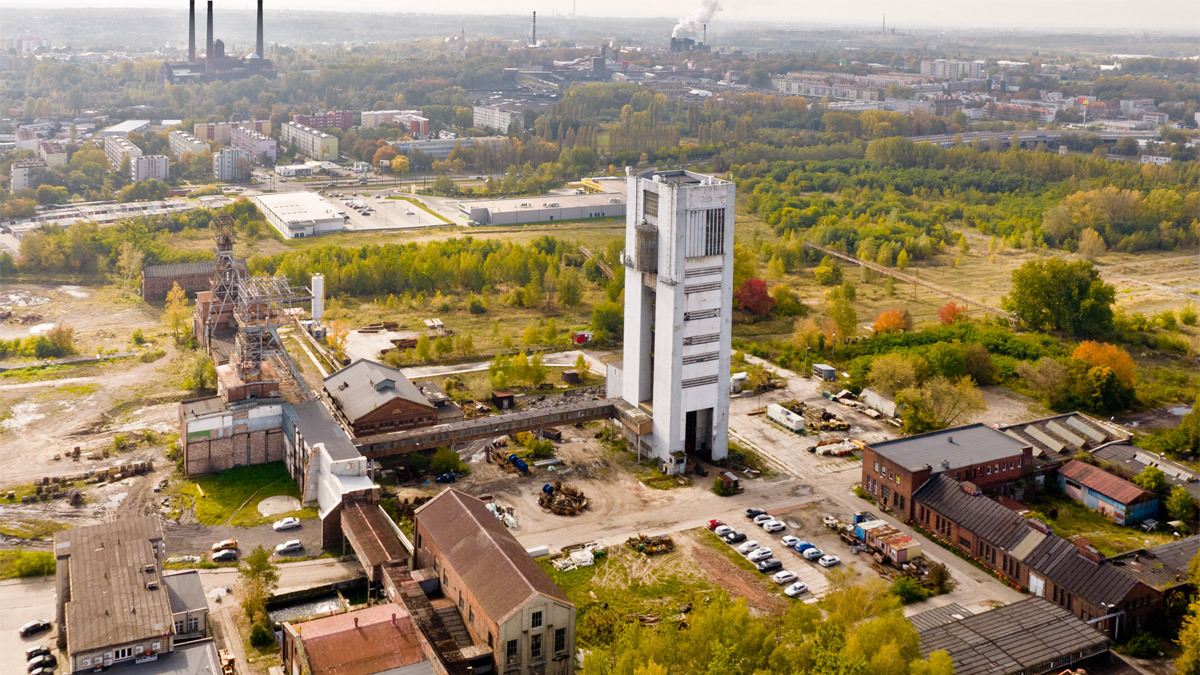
(379, 640)
(507, 601)
(893, 470)
(340, 119)
(194, 277)
(377, 399)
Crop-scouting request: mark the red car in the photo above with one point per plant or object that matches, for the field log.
(714, 524)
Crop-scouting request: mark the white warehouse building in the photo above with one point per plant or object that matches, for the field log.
(299, 214)
(543, 209)
(678, 312)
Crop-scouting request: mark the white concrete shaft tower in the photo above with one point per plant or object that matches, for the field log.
(678, 311)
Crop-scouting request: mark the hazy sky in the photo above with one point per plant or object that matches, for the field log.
(1176, 16)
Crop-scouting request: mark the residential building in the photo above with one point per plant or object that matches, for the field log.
(440, 148)
(340, 119)
(260, 147)
(1020, 113)
(309, 142)
(299, 214)
(507, 601)
(376, 399)
(945, 69)
(182, 143)
(497, 117)
(379, 640)
(893, 470)
(192, 277)
(117, 148)
(189, 605)
(53, 153)
(27, 139)
(417, 125)
(220, 131)
(819, 86)
(125, 128)
(1158, 160)
(112, 603)
(147, 167)
(1116, 498)
(232, 165)
(1030, 637)
(1136, 106)
(678, 301)
(26, 174)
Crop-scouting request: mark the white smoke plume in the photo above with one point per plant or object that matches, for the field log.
(699, 16)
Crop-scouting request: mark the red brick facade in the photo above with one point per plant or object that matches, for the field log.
(892, 485)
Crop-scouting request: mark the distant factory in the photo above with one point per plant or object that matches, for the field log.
(216, 64)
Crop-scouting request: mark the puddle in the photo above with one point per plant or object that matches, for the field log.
(1180, 411)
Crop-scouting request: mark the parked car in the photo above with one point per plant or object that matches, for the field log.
(829, 560)
(228, 544)
(290, 546)
(448, 477)
(285, 524)
(36, 650)
(796, 589)
(48, 670)
(769, 565)
(773, 526)
(752, 513)
(747, 547)
(762, 518)
(812, 553)
(829, 521)
(802, 546)
(789, 541)
(722, 530)
(42, 661)
(228, 555)
(759, 554)
(783, 577)
(735, 537)
(34, 627)
(714, 524)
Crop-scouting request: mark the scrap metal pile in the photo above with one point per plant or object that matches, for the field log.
(651, 545)
(562, 500)
(816, 418)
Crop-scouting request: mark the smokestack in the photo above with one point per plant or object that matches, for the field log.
(704, 40)
(209, 66)
(259, 49)
(191, 31)
(535, 28)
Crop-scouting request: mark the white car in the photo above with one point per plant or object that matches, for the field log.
(747, 547)
(773, 526)
(722, 530)
(762, 518)
(290, 546)
(829, 560)
(812, 553)
(783, 577)
(789, 541)
(286, 524)
(796, 589)
(759, 554)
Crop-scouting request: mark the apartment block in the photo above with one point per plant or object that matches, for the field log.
(182, 143)
(259, 146)
(310, 142)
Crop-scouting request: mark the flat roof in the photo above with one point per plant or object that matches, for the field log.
(950, 449)
(316, 423)
(298, 209)
(126, 127)
(189, 658)
(185, 591)
(518, 205)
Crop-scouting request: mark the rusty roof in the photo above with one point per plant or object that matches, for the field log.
(489, 559)
(368, 528)
(1099, 480)
(364, 642)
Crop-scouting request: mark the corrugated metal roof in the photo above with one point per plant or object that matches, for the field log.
(368, 527)
(1055, 438)
(939, 616)
(1060, 561)
(366, 385)
(1012, 638)
(995, 523)
(363, 642)
(187, 268)
(1132, 460)
(489, 559)
(951, 448)
(1095, 478)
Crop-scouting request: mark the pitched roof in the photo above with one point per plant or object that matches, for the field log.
(364, 642)
(939, 616)
(1162, 567)
(1099, 480)
(187, 268)
(502, 576)
(1060, 561)
(1012, 638)
(950, 449)
(185, 591)
(1132, 460)
(986, 518)
(113, 601)
(1054, 439)
(365, 385)
(314, 421)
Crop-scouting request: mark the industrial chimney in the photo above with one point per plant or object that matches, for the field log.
(191, 31)
(259, 45)
(318, 299)
(209, 65)
(534, 43)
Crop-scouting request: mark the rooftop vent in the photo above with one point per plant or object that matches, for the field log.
(152, 586)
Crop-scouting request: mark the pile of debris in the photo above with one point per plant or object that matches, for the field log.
(503, 514)
(562, 500)
(816, 418)
(651, 545)
(584, 556)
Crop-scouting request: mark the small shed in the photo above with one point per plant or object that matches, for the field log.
(503, 400)
(825, 372)
(571, 376)
(730, 481)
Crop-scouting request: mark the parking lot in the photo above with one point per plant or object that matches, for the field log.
(380, 213)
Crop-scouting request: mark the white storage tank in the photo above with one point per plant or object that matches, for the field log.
(318, 298)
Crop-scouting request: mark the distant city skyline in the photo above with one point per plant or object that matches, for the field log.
(1173, 16)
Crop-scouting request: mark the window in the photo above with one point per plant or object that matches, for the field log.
(178, 627)
(876, 467)
(510, 651)
(418, 540)
(122, 653)
(535, 646)
(471, 616)
(705, 233)
(491, 638)
(460, 600)
(535, 620)
(560, 640)
(193, 623)
(649, 204)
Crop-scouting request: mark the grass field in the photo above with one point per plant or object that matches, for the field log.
(1075, 519)
(232, 496)
(31, 528)
(18, 564)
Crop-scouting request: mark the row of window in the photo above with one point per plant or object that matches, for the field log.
(987, 470)
(193, 625)
(887, 473)
(513, 647)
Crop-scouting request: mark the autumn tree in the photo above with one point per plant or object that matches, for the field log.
(1188, 662)
(1108, 356)
(893, 321)
(951, 312)
(1091, 245)
(806, 334)
(399, 164)
(754, 298)
(129, 263)
(176, 312)
(938, 403)
(890, 373)
(62, 336)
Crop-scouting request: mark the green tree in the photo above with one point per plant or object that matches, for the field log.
(1181, 505)
(938, 403)
(1055, 295)
(257, 579)
(891, 373)
(176, 312)
(607, 320)
(570, 288)
(129, 263)
(446, 460)
(1153, 479)
(424, 348)
(841, 313)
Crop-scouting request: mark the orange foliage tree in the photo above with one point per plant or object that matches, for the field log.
(893, 321)
(1110, 356)
(951, 312)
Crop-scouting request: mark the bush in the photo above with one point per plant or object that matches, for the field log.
(446, 460)
(261, 635)
(539, 448)
(908, 590)
(475, 305)
(720, 490)
(1143, 646)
